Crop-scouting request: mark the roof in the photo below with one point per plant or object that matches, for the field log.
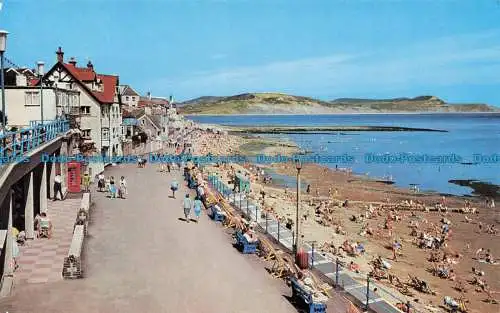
(130, 121)
(153, 101)
(134, 113)
(156, 120)
(109, 88)
(128, 91)
(83, 75)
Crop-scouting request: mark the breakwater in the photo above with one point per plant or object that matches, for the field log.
(321, 129)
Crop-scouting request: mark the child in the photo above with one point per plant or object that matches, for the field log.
(174, 186)
(123, 187)
(112, 187)
(197, 208)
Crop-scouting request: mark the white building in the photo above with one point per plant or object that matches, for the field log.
(23, 101)
(129, 96)
(99, 114)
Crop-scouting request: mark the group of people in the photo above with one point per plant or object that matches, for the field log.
(109, 184)
(195, 205)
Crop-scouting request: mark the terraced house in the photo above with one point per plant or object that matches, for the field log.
(98, 114)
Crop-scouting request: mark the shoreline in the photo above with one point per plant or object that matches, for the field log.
(320, 129)
(322, 212)
(338, 113)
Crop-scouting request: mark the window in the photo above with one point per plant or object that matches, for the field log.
(85, 109)
(86, 133)
(105, 134)
(105, 112)
(32, 98)
(126, 98)
(133, 98)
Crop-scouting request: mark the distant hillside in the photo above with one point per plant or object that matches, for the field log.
(277, 103)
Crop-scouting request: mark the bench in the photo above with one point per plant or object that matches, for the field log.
(83, 213)
(216, 214)
(299, 293)
(243, 244)
(72, 267)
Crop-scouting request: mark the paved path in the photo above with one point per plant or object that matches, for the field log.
(41, 260)
(141, 258)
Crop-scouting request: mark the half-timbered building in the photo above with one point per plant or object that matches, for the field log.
(98, 114)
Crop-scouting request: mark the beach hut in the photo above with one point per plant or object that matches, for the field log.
(242, 182)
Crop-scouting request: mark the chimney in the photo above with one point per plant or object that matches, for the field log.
(60, 55)
(90, 65)
(72, 61)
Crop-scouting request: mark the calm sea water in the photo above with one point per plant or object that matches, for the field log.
(467, 134)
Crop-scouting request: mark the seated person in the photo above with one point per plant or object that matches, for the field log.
(354, 267)
(250, 235)
(477, 272)
(44, 226)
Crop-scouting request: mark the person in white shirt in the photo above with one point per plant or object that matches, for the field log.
(58, 187)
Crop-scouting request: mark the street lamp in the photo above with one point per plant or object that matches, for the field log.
(40, 66)
(298, 166)
(3, 47)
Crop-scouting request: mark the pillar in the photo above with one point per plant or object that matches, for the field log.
(9, 261)
(29, 209)
(43, 190)
(52, 176)
(64, 168)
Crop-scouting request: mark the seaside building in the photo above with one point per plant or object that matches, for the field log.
(22, 96)
(99, 116)
(130, 97)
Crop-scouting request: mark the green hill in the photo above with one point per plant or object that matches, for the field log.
(277, 103)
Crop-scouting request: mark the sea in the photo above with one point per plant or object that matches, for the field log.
(462, 160)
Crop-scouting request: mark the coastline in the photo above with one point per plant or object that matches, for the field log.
(341, 113)
(330, 188)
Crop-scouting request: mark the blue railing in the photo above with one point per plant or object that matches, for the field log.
(23, 141)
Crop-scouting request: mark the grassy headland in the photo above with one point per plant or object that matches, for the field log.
(277, 103)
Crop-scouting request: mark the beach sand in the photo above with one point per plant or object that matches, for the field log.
(362, 192)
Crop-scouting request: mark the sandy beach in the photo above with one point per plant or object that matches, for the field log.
(377, 215)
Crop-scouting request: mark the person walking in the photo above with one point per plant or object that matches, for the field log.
(101, 183)
(174, 185)
(86, 182)
(58, 187)
(112, 187)
(197, 208)
(188, 204)
(123, 187)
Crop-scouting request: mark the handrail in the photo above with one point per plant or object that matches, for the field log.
(21, 142)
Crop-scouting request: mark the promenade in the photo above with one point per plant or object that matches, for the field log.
(141, 258)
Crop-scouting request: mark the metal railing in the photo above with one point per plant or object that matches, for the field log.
(360, 286)
(23, 141)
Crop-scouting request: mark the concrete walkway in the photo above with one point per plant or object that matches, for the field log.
(142, 258)
(41, 260)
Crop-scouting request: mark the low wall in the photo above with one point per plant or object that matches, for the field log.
(72, 267)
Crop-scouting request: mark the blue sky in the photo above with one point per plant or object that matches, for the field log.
(320, 48)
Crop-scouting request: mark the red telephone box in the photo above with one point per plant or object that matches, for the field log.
(74, 176)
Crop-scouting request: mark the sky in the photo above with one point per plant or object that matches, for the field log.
(325, 49)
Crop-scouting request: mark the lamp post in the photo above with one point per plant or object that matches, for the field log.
(3, 47)
(40, 66)
(298, 166)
